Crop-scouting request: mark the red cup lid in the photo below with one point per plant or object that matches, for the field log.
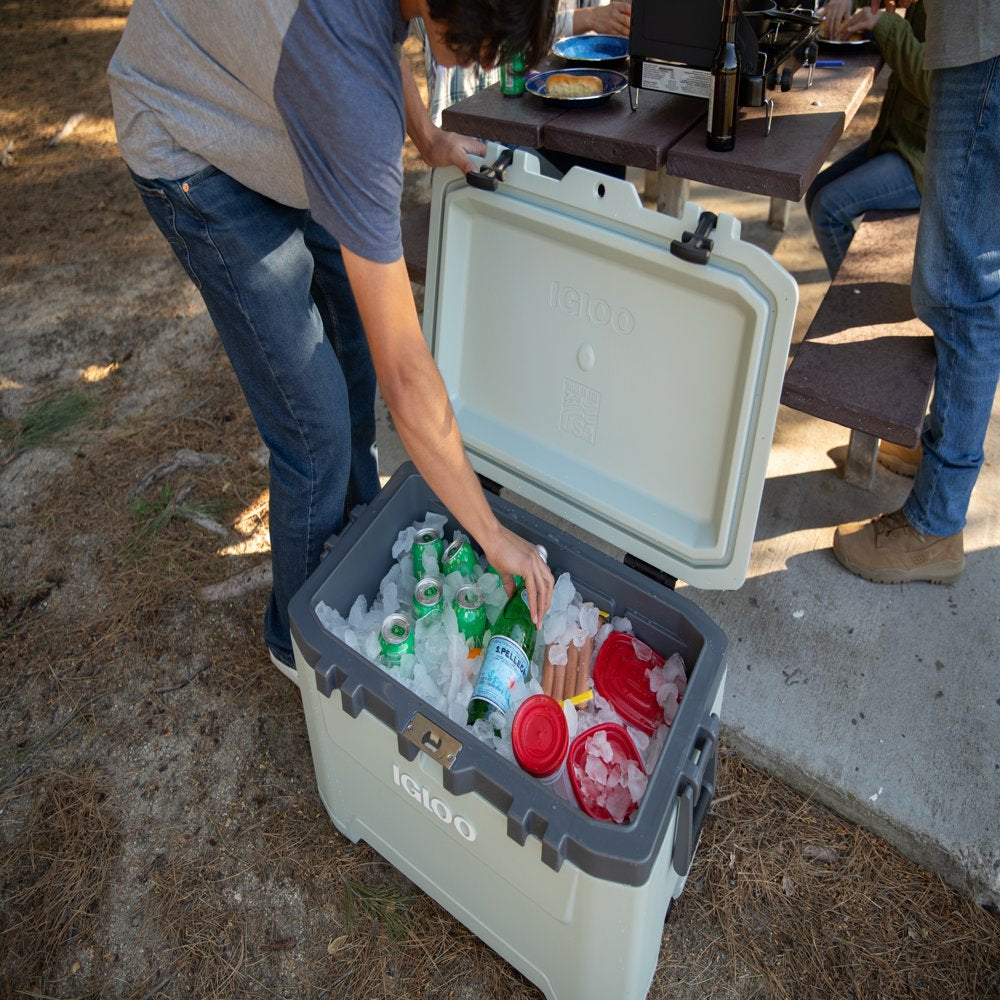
(620, 678)
(540, 735)
(620, 740)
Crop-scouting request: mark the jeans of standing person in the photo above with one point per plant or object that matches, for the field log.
(956, 289)
(851, 186)
(275, 286)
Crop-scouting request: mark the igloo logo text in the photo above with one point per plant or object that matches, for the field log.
(433, 804)
(596, 310)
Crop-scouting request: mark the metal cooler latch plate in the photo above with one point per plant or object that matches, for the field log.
(433, 740)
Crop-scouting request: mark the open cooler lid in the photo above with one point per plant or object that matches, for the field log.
(601, 376)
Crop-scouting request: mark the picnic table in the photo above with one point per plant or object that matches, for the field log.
(666, 132)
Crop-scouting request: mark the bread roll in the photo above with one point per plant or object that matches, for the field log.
(570, 85)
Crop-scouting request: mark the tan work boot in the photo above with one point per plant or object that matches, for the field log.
(889, 550)
(903, 461)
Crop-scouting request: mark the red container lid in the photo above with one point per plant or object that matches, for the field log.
(540, 735)
(619, 739)
(620, 678)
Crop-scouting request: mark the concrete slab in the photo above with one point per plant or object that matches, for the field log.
(881, 701)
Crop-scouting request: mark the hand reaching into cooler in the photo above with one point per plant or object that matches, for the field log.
(512, 556)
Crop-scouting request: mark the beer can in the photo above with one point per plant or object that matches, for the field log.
(428, 596)
(428, 541)
(459, 557)
(471, 614)
(395, 638)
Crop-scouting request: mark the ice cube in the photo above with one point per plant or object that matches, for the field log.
(665, 694)
(590, 618)
(404, 542)
(639, 738)
(636, 780)
(553, 626)
(572, 718)
(642, 652)
(558, 655)
(674, 672)
(562, 593)
(390, 597)
(358, 611)
(331, 619)
(618, 801)
(596, 769)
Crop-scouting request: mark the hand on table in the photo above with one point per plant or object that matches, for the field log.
(864, 20)
(834, 15)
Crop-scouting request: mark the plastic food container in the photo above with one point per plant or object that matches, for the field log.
(619, 740)
(540, 737)
(620, 677)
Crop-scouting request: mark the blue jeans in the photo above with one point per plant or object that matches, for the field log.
(275, 286)
(956, 289)
(851, 186)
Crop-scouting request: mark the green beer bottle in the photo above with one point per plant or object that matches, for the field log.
(507, 658)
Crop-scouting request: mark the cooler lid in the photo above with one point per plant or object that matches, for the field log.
(601, 376)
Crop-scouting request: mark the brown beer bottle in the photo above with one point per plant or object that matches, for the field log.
(723, 96)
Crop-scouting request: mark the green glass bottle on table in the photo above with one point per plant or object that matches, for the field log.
(512, 76)
(507, 658)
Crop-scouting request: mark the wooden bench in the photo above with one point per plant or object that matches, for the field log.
(867, 362)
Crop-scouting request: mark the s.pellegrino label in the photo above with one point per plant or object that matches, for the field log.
(504, 664)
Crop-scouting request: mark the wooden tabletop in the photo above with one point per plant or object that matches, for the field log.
(667, 130)
(807, 124)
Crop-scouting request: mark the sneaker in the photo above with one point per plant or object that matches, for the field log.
(889, 550)
(902, 461)
(290, 672)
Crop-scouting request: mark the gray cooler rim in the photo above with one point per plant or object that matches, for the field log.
(683, 776)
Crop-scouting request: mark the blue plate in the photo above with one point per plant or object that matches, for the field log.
(592, 49)
(613, 81)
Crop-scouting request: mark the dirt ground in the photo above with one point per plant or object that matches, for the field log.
(160, 831)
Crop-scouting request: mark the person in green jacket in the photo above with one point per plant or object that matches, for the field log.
(885, 172)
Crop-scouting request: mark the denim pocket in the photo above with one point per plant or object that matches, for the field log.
(160, 205)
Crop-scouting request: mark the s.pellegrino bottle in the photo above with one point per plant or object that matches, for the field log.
(507, 658)
(723, 97)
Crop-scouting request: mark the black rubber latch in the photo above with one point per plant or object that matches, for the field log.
(487, 178)
(696, 247)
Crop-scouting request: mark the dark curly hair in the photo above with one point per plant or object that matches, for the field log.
(493, 30)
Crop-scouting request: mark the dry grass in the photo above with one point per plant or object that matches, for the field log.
(160, 831)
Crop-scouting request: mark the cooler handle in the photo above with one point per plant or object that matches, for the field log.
(488, 178)
(355, 512)
(696, 796)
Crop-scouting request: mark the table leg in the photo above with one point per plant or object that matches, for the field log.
(861, 460)
(777, 216)
(673, 193)
(651, 185)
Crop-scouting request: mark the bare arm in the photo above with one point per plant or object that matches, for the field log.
(437, 147)
(421, 411)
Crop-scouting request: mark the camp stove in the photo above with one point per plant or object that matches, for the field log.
(672, 43)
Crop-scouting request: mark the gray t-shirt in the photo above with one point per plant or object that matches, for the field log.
(961, 32)
(300, 100)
